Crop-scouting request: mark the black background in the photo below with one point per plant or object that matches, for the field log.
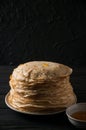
(53, 30)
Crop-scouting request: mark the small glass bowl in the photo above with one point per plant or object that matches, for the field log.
(78, 107)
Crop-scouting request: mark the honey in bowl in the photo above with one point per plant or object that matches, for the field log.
(80, 115)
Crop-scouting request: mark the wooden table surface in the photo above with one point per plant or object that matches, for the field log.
(13, 120)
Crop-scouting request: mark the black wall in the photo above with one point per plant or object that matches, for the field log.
(53, 30)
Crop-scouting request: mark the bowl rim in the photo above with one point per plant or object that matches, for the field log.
(69, 116)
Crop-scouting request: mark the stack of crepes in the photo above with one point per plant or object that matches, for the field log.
(41, 86)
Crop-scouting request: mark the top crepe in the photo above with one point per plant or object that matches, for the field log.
(40, 70)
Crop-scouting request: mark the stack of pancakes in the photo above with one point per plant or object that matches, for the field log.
(41, 86)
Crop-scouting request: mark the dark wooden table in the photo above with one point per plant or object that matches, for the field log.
(12, 120)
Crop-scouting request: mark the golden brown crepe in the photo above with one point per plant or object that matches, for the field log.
(41, 86)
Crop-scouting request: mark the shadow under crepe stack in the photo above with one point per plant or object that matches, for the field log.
(41, 86)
